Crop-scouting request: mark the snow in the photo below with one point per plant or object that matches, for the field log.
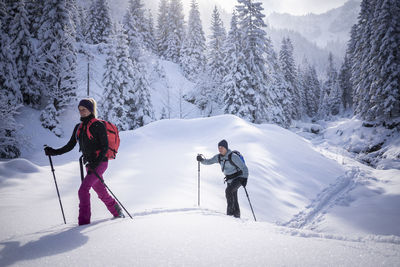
(315, 205)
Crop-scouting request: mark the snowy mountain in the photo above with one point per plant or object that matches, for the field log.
(314, 206)
(330, 30)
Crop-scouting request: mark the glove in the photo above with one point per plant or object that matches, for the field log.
(244, 182)
(49, 151)
(200, 157)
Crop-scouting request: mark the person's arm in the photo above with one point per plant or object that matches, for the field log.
(70, 145)
(210, 161)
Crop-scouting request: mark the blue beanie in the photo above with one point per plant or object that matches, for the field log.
(87, 104)
(223, 143)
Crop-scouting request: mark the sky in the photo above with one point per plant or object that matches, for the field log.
(294, 7)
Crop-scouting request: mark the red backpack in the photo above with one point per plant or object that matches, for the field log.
(112, 136)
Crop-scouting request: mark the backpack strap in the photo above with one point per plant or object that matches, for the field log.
(88, 133)
(231, 161)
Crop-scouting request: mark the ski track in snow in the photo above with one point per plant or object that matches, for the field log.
(305, 223)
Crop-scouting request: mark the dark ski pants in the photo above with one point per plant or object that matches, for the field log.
(232, 198)
(92, 181)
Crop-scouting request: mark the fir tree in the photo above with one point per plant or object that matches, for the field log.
(9, 141)
(331, 95)
(99, 22)
(193, 58)
(111, 107)
(8, 69)
(176, 32)
(234, 85)
(23, 54)
(149, 34)
(162, 29)
(288, 67)
(345, 84)
(140, 110)
(311, 91)
(216, 66)
(264, 80)
(384, 91)
(57, 63)
(135, 27)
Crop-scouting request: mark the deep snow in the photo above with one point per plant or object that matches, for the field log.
(314, 206)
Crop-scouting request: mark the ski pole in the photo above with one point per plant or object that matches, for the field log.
(102, 181)
(58, 193)
(81, 167)
(198, 181)
(250, 203)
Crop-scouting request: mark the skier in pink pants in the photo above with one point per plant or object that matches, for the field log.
(94, 150)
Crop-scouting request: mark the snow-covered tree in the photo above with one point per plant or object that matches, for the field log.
(126, 100)
(176, 32)
(216, 66)
(374, 61)
(384, 91)
(140, 110)
(288, 67)
(264, 80)
(162, 28)
(57, 62)
(24, 55)
(310, 92)
(363, 79)
(99, 22)
(8, 69)
(345, 84)
(331, 94)
(135, 27)
(193, 60)
(234, 84)
(117, 82)
(149, 38)
(9, 142)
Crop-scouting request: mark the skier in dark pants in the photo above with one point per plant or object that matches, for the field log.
(236, 174)
(94, 155)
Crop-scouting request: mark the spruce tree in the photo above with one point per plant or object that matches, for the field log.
(162, 29)
(345, 84)
(176, 32)
(384, 104)
(57, 62)
(99, 22)
(140, 108)
(288, 67)
(149, 33)
(24, 55)
(264, 80)
(9, 141)
(311, 91)
(111, 107)
(331, 94)
(193, 60)
(135, 28)
(216, 66)
(234, 85)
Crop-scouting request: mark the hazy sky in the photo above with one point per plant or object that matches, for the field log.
(295, 7)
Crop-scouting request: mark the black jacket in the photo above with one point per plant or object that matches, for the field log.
(89, 147)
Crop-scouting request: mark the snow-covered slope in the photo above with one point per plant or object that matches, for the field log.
(324, 208)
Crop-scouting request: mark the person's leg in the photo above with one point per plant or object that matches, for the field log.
(231, 198)
(84, 199)
(102, 192)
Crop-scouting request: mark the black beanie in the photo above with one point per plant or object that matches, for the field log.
(223, 143)
(87, 104)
